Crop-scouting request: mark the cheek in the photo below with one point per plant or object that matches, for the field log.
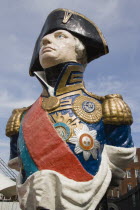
(67, 47)
(40, 57)
(62, 46)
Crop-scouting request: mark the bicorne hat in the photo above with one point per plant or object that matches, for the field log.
(77, 24)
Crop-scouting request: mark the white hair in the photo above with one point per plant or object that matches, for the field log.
(81, 52)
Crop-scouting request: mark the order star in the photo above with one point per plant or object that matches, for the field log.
(85, 141)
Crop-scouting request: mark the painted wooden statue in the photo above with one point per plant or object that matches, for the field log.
(70, 145)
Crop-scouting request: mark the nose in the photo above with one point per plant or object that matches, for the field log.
(47, 39)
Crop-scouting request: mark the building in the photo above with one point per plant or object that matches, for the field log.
(132, 178)
(127, 195)
(131, 200)
(8, 194)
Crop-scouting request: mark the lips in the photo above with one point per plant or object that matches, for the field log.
(47, 49)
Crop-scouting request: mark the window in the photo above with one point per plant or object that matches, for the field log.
(129, 187)
(118, 194)
(137, 173)
(1, 196)
(112, 193)
(128, 173)
(136, 159)
(134, 200)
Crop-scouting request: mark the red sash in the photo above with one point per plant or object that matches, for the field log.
(46, 147)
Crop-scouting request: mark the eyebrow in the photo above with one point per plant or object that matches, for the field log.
(60, 32)
(56, 32)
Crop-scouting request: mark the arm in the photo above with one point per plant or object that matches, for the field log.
(12, 129)
(119, 146)
(119, 136)
(14, 160)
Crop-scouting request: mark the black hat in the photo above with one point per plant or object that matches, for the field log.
(80, 26)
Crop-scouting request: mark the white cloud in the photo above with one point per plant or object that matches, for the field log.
(105, 85)
(4, 150)
(108, 12)
(14, 53)
(128, 89)
(10, 102)
(103, 12)
(4, 143)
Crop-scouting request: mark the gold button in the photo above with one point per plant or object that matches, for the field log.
(50, 103)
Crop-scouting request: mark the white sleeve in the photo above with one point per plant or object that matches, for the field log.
(14, 164)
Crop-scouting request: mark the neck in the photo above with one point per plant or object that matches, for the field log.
(64, 77)
(52, 73)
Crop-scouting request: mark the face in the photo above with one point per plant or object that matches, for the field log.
(57, 47)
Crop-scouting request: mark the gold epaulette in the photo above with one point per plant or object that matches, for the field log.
(116, 111)
(13, 123)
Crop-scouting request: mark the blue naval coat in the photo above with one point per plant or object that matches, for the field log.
(112, 129)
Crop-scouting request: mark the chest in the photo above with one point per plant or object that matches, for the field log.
(75, 113)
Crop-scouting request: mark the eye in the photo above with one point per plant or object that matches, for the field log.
(61, 36)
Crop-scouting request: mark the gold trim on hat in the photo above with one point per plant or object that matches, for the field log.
(67, 16)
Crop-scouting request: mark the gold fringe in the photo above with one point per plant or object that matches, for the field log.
(13, 123)
(116, 111)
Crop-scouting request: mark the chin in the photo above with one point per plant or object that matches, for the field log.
(47, 61)
(48, 64)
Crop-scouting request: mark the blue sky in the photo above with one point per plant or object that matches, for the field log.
(117, 72)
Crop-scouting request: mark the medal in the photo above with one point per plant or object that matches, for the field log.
(63, 130)
(87, 109)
